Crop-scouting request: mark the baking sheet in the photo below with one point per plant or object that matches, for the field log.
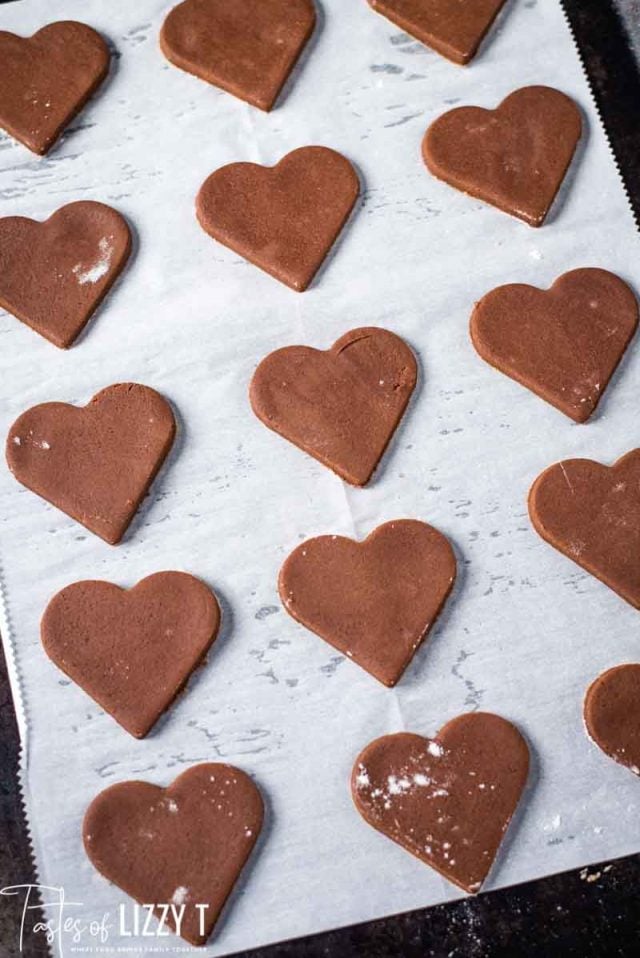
(525, 631)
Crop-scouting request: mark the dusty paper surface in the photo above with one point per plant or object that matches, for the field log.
(525, 631)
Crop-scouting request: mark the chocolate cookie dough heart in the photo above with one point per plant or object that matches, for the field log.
(612, 714)
(450, 27)
(448, 800)
(181, 847)
(375, 600)
(284, 218)
(514, 157)
(54, 275)
(246, 47)
(95, 462)
(132, 651)
(47, 78)
(341, 405)
(563, 343)
(591, 513)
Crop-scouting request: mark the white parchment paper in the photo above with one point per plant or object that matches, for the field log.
(525, 631)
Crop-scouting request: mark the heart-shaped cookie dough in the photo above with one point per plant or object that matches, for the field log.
(612, 714)
(447, 800)
(246, 47)
(132, 651)
(181, 847)
(591, 513)
(514, 157)
(95, 462)
(47, 78)
(341, 405)
(450, 27)
(54, 275)
(284, 218)
(563, 343)
(376, 600)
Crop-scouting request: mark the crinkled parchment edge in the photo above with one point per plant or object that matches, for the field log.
(594, 103)
(18, 698)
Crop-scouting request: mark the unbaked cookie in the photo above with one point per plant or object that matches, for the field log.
(591, 513)
(453, 28)
(132, 650)
(514, 157)
(54, 275)
(284, 218)
(447, 800)
(246, 47)
(563, 343)
(612, 714)
(47, 78)
(376, 600)
(95, 462)
(340, 405)
(180, 848)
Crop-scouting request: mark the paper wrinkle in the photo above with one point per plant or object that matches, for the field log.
(525, 631)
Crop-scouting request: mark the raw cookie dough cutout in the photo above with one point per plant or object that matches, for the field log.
(246, 47)
(55, 274)
(95, 462)
(376, 600)
(341, 405)
(180, 846)
(449, 27)
(591, 513)
(283, 218)
(563, 343)
(132, 650)
(514, 157)
(612, 714)
(46, 79)
(447, 800)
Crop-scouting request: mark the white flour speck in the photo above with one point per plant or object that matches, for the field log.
(433, 748)
(397, 786)
(172, 806)
(180, 895)
(99, 269)
(553, 825)
(362, 778)
(17, 440)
